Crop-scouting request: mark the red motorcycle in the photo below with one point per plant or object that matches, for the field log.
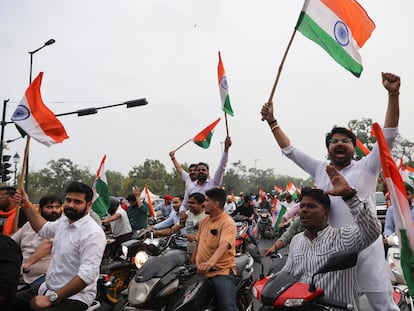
(283, 291)
(242, 237)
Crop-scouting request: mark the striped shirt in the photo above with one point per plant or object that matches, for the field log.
(307, 256)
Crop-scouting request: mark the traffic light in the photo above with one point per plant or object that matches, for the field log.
(4, 168)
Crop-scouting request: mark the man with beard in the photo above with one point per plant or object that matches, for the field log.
(36, 250)
(373, 278)
(203, 182)
(78, 246)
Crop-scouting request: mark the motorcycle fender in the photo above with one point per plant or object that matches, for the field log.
(197, 295)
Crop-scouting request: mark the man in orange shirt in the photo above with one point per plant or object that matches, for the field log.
(215, 248)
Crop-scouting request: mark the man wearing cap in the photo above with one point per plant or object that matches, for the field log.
(373, 277)
(166, 207)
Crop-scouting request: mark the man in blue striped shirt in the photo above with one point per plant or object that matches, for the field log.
(310, 249)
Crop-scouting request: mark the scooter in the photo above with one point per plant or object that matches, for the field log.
(283, 291)
(264, 224)
(242, 237)
(401, 296)
(198, 292)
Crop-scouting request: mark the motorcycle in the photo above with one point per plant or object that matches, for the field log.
(121, 272)
(264, 224)
(155, 281)
(400, 294)
(198, 292)
(242, 237)
(283, 291)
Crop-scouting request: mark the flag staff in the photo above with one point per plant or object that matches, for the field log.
(281, 66)
(227, 126)
(21, 183)
(183, 145)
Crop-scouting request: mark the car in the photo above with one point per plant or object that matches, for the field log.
(381, 206)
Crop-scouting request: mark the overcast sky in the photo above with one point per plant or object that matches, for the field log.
(107, 52)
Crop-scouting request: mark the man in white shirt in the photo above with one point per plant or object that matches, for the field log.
(36, 250)
(78, 247)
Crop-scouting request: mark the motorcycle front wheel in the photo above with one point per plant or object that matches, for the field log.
(120, 279)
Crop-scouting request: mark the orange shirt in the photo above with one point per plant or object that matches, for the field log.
(211, 232)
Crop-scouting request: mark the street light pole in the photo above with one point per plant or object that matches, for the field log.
(49, 42)
(255, 171)
(16, 160)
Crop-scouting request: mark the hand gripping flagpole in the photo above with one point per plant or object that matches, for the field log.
(21, 183)
(280, 68)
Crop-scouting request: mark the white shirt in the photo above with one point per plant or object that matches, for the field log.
(229, 208)
(77, 250)
(362, 175)
(29, 241)
(121, 225)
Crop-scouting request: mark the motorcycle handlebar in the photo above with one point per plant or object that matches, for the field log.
(336, 304)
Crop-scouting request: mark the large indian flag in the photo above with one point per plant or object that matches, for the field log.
(35, 119)
(340, 27)
(402, 214)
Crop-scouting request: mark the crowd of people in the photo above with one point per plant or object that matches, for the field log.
(59, 246)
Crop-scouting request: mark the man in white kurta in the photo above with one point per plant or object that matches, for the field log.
(373, 278)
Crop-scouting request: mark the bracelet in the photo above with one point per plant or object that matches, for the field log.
(395, 93)
(272, 122)
(274, 127)
(27, 206)
(173, 158)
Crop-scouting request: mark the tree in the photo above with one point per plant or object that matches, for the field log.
(54, 178)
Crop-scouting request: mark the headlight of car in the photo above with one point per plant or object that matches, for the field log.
(140, 259)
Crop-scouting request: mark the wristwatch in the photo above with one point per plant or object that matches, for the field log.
(350, 195)
(53, 297)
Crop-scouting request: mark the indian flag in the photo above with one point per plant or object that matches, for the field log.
(35, 119)
(360, 149)
(291, 188)
(148, 196)
(224, 88)
(101, 199)
(204, 137)
(402, 214)
(340, 27)
(407, 174)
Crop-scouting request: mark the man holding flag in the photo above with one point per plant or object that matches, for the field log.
(373, 278)
(203, 182)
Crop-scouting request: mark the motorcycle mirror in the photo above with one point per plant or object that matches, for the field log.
(338, 261)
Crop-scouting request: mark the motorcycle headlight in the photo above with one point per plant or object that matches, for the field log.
(140, 259)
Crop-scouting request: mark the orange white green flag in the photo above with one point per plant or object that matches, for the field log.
(148, 196)
(224, 88)
(402, 214)
(35, 119)
(340, 27)
(360, 149)
(101, 199)
(203, 138)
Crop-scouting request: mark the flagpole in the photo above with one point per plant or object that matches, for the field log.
(183, 145)
(21, 183)
(227, 126)
(281, 67)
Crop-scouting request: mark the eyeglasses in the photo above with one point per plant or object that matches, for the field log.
(334, 141)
